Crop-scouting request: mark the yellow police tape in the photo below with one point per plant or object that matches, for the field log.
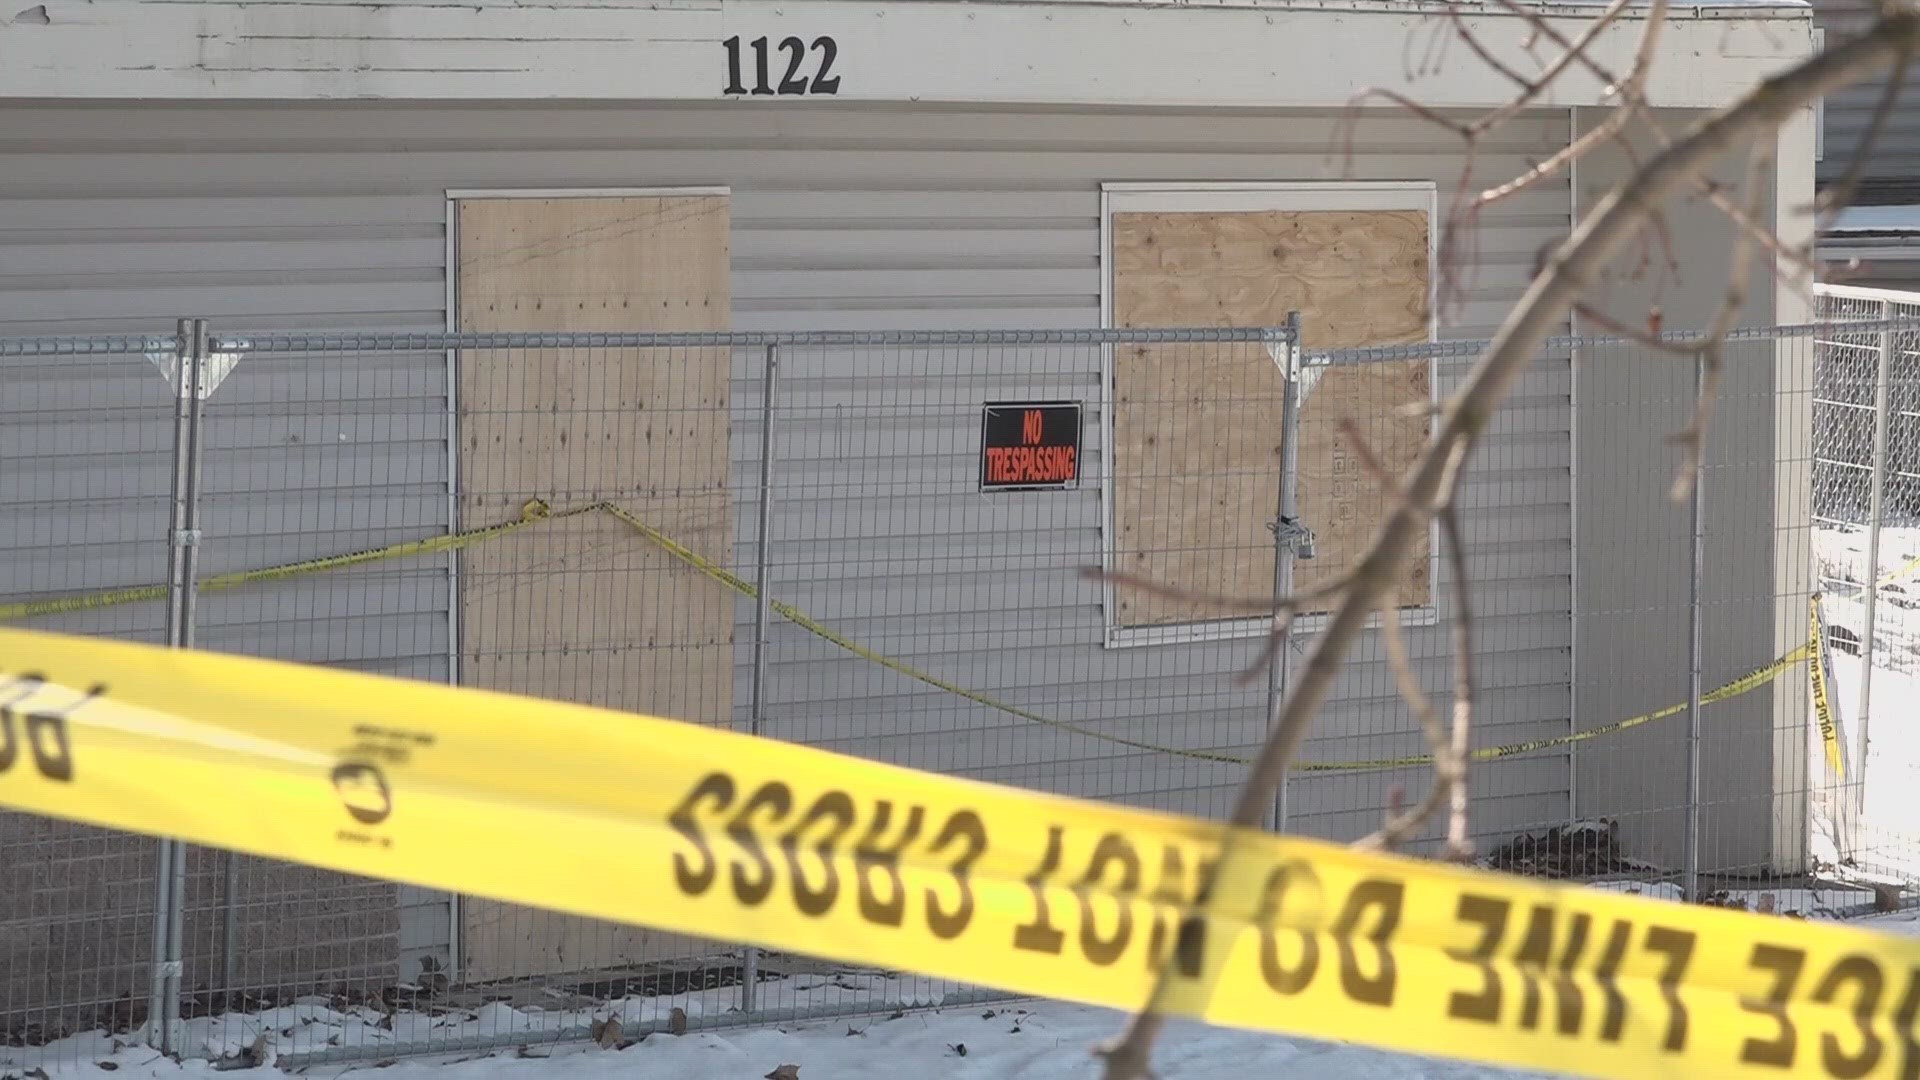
(1906, 568)
(537, 511)
(722, 835)
(1822, 702)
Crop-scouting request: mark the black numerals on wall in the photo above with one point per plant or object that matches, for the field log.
(804, 69)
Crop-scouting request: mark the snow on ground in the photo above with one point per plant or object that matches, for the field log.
(1901, 923)
(1897, 218)
(1022, 1041)
(1826, 902)
(1018, 1041)
(1844, 548)
(1893, 742)
(1890, 829)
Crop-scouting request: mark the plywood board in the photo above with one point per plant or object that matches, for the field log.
(1197, 428)
(585, 609)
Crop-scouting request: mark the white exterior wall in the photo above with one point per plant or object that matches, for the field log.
(1258, 53)
(869, 211)
(845, 219)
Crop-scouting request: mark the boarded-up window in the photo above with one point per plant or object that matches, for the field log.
(1197, 428)
(586, 609)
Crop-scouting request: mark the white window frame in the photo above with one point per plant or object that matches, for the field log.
(1254, 196)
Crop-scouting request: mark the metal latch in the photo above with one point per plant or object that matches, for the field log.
(1292, 535)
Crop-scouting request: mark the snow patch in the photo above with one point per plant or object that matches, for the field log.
(1877, 219)
(1028, 1041)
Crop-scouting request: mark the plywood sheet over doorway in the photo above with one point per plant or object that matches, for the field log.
(585, 609)
(1197, 445)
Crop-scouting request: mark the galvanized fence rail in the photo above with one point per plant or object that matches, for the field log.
(875, 543)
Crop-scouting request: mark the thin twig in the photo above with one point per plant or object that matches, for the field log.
(1694, 438)
(1630, 91)
(1433, 116)
(1760, 234)
(1459, 845)
(1369, 461)
(1579, 49)
(1528, 87)
(1401, 825)
(1283, 611)
(1645, 338)
(1560, 159)
(1239, 604)
(1569, 54)
(1840, 193)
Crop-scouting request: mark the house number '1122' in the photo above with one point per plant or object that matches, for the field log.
(793, 53)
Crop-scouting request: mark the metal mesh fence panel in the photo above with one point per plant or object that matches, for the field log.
(86, 448)
(304, 458)
(1365, 753)
(884, 545)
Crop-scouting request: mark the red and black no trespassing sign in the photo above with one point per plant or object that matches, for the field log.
(1026, 445)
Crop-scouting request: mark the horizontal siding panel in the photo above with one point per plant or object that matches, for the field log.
(76, 441)
(216, 296)
(758, 285)
(1491, 562)
(1045, 610)
(913, 515)
(412, 638)
(74, 257)
(1342, 729)
(343, 173)
(1067, 245)
(332, 216)
(263, 609)
(1891, 172)
(1149, 779)
(987, 661)
(960, 530)
(1159, 671)
(105, 219)
(314, 128)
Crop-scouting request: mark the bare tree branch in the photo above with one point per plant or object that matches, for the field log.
(1527, 86)
(1648, 338)
(1630, 91)
(1450, 753)
(1799, 258)
(1562, 158)
(1283, 612)
(1369, 460)
(1432, 483)
(1245, 605)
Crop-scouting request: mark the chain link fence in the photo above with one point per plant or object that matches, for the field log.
(1866, 520)
(879, 544)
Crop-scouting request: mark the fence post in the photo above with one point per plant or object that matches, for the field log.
(1289, 537)
(1696, 551)
(1876, 512)
(750, 964)
(183, 540)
